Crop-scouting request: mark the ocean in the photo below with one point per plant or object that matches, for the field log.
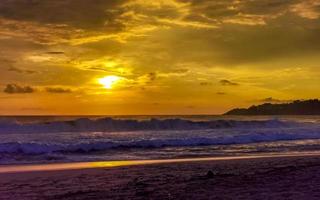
(59, 139)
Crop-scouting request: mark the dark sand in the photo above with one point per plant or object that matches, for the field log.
(258, 178)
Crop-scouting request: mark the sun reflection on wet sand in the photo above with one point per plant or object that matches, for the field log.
(112, 164)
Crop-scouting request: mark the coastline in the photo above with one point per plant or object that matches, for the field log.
(22, 168)
(268, 177)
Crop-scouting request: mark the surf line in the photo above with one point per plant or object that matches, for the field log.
(112, 164)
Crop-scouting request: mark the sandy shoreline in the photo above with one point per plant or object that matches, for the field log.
(111, 164)
(284, 177)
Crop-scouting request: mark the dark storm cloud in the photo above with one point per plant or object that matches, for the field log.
(77, 13)
(58, 90)
(14, 89)
(225, 82)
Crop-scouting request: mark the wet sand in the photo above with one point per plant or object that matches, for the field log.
(284, 177)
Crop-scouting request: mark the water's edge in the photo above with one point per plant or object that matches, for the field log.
(112, 164)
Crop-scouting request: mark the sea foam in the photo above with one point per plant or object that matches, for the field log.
(109, 124)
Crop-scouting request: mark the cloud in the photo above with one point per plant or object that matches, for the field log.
(14, 69)
(273, 100)
(180, 71)
(103, 69)
(221, 93)
(262, 25)
(169, 13)
(225, 82)
(77, 13)
(187, 45)
(233, 11)
(22, 71)
(58, 90)
(267, 7)
(152, 76)
(14, 88)
(62, 21)
(55, 52)
(307, 9)
(147, 78)
(205, 83)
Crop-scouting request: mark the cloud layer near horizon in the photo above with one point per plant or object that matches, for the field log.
(173, 56)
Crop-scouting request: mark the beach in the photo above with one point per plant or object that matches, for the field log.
(167, 99)
(270, 177)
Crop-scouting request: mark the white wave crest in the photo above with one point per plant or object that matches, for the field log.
(109, 124)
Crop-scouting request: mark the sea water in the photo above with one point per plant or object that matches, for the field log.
(53, 139)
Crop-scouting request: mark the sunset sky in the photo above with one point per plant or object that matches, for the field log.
(116, 57)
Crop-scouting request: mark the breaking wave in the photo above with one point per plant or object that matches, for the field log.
(85, 137)
(95, 145)
(111, 125)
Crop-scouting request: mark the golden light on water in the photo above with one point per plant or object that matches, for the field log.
(109, 81)
(111, 164)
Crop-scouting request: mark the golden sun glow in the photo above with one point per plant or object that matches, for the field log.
(108, 81)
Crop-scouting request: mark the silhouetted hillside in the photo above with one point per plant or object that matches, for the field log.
(308, 107)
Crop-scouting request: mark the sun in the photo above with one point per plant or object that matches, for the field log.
(108, 81)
